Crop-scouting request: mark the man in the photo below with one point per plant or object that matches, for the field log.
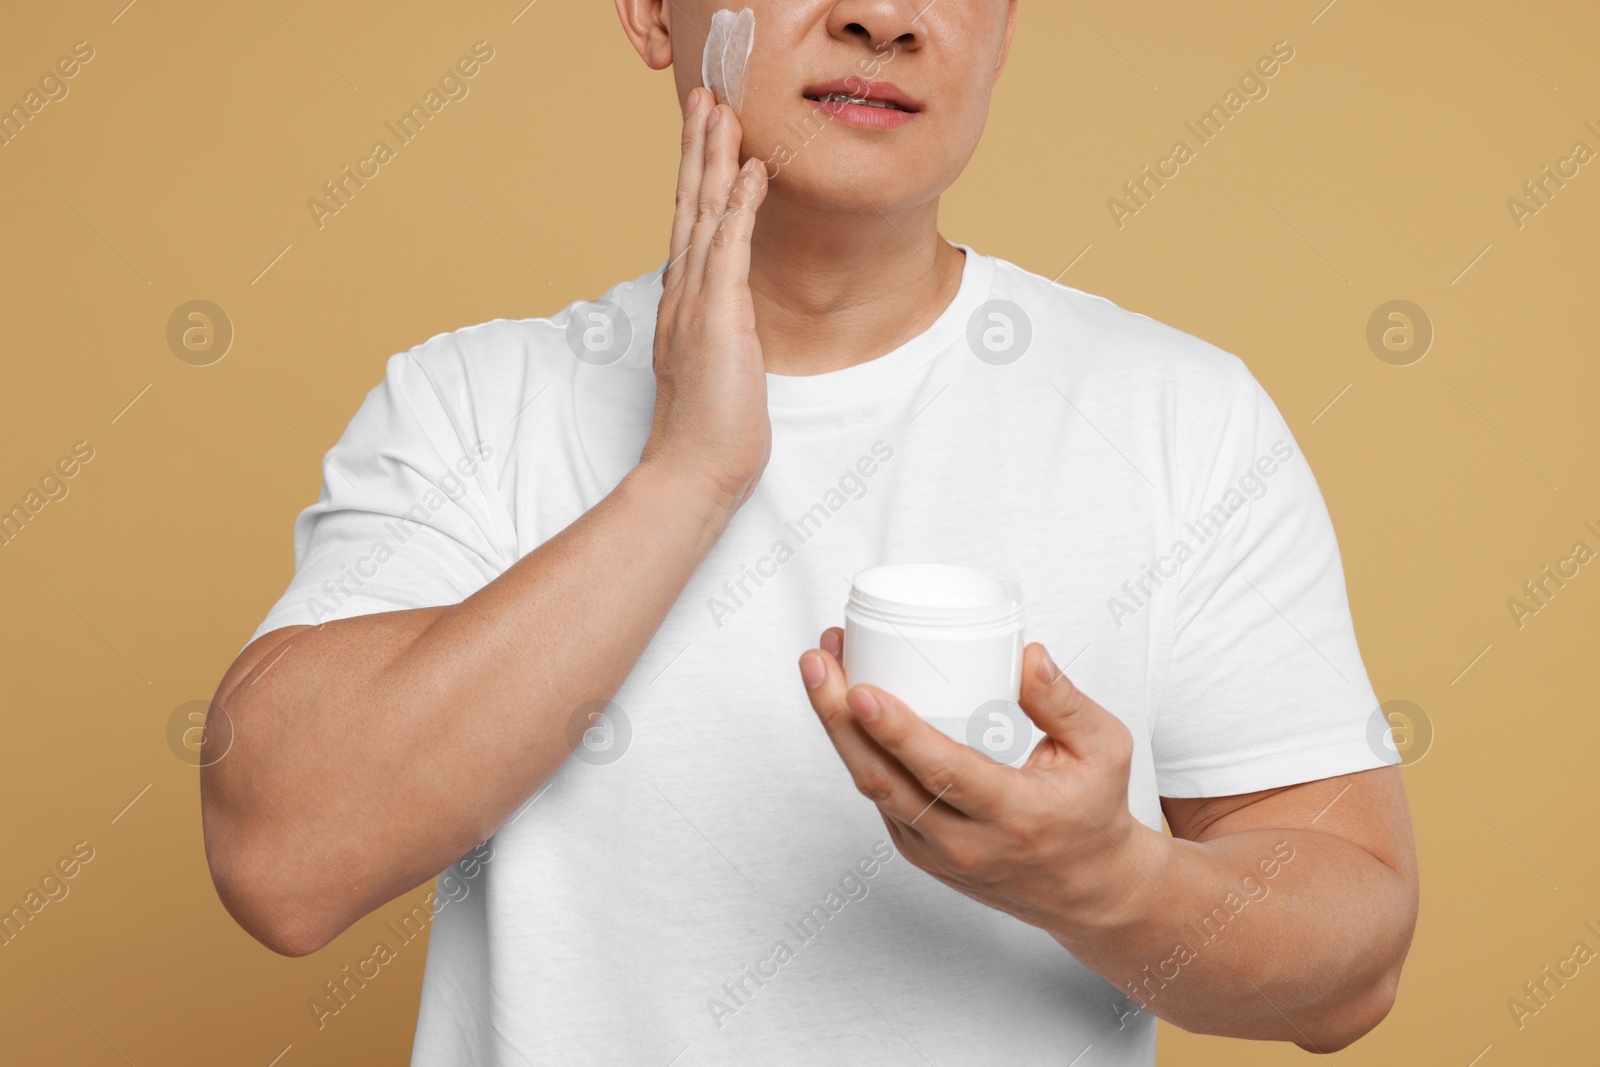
(553, 592)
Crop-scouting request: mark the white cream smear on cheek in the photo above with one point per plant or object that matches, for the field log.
(727, 55)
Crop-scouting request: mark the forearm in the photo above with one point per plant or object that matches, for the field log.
(1290, 935)
(370, 753)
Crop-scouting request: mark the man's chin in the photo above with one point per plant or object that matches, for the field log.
(840, 195)
(847, 183)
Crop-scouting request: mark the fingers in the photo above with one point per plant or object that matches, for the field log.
(728, 262)
(715, 203)
(1066, 713)
(690, 170)
(944, 768)
(716, 187)
(878, 777)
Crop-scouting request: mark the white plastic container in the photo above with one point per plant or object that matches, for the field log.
(948, 642)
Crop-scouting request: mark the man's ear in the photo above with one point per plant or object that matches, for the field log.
(648, 26)
(1005, 47)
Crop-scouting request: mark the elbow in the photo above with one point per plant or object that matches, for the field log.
(292, 946)
(1358, 1014)
(286, 938)
(264, 912)
(251, 886)
(1352, 1021)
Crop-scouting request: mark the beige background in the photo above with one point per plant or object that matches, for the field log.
(178, 168)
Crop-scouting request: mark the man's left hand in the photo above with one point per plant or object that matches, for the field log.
(1052, 842)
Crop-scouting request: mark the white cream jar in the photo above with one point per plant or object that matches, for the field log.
(948, 642)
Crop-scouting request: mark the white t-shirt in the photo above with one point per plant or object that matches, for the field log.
(701, 880)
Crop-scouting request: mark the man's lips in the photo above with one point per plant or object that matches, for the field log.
(871, 104)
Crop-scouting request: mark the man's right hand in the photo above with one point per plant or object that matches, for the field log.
(711, 388)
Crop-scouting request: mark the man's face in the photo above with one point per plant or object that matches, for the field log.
(935, 63)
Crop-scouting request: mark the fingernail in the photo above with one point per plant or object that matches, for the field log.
(716, 117)
(866, 707)
(749, 167)
(812, 672)
(1047, 668)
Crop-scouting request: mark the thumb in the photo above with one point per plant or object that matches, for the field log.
(1066, 713)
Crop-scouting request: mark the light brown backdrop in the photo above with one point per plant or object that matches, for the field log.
(178, 168)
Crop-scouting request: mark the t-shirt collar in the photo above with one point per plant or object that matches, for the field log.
(790, 391)
(852, 383)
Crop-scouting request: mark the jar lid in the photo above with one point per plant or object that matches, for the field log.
(935, 594)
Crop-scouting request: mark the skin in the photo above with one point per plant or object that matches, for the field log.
(351, 740)
(846, 261)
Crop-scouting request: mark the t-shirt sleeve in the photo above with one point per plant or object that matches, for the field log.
(407, 517)
(1265, 685)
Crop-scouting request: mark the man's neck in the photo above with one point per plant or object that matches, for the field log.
(831, 293)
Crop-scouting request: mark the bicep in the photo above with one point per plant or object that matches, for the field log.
(1368, 809)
